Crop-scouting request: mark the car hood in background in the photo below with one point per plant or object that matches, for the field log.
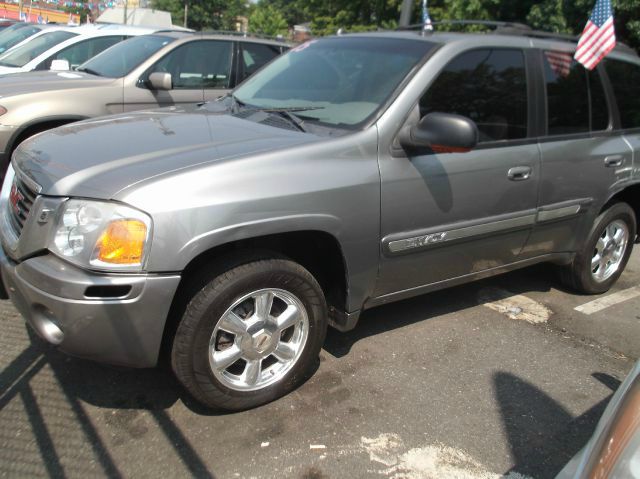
(7, 70)
(100, 157)
(34, 82)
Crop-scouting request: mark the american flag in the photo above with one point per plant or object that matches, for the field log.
(598, 37)
(560, 63)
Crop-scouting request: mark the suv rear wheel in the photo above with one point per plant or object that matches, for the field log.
(251, 335)
(605, 253)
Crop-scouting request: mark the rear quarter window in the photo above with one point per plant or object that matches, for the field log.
(625, 80)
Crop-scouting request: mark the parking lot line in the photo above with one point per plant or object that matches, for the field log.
(611, 300)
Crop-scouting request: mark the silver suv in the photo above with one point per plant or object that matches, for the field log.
(149, 71)
(351, 172)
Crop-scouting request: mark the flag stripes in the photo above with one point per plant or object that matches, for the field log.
(598, 37)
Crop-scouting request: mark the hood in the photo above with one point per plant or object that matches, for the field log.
(98, 158)
(30, 82)
(7, 70)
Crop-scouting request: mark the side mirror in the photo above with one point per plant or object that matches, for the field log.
(160, 81)
(60, 65)
(442, 132)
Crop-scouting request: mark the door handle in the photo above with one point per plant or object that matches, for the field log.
(519, 173)
(613, 161)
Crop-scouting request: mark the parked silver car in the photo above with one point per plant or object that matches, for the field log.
(142, 72)
(351, 172)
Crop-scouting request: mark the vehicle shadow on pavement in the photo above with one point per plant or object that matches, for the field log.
(124, 389)
(542, 434)
(540, 278)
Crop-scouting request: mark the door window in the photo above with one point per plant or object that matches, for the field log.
(625, 79)
(487, 85)
(570, 87)
(80, 52)
(255, 56)
(197, 65)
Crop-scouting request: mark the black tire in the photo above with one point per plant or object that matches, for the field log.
(578, 274)
(190, 350)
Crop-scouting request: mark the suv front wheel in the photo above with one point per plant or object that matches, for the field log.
(605, 253)
(251, 335)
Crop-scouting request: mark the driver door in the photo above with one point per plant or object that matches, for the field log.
(448, 216)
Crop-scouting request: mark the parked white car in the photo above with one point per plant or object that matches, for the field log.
(18, 33)
(63, 48)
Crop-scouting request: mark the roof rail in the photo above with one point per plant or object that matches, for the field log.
(515, 28)
(485, 23)
(242, 34)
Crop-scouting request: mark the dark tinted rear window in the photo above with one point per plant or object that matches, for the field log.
(625, 79)
(576, 101)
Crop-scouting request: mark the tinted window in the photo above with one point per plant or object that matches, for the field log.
(625, 79)
(567, 94)
(120, 60)
(79, 53)
(199, 64)
(255, 56)
(599, 108)
(488, 86)
(576, 101)
(22, 55)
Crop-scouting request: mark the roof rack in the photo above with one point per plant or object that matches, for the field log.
(513, 28)
(486, 23)
(242, 34)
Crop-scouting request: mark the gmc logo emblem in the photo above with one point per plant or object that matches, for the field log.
(15, 197)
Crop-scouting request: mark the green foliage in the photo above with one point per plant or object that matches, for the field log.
(327, 16)
(82, 11)
(204, 14)
(268, 20)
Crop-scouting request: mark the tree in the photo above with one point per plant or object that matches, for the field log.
(204, 14)
(268, 20)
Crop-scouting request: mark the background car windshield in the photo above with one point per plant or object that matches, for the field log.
(121, 59)
(342, 81)
(14, 34)
(22, 55)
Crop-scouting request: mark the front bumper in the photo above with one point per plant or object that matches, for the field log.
(112, 318)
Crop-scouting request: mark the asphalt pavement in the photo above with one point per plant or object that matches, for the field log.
(499, 378)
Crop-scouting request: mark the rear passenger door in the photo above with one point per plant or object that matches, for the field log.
(447, 216)
(624, 78)
(583, 157)
(195, 66)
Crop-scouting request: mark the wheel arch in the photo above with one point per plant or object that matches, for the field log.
(318, 251)
(37, 126)
(629, 195)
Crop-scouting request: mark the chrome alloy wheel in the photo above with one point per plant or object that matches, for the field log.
(609, 251)
(258, 339)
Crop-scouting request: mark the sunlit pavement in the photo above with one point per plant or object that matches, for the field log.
(499, 377)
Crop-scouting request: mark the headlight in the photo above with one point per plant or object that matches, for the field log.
(102, 235)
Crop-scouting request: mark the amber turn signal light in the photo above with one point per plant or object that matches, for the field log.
(122, 242)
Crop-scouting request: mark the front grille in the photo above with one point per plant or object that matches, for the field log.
(19, 205)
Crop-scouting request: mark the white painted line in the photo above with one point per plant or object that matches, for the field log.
(611, 300)
(317, 446)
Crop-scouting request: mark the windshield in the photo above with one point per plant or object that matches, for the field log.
(338, 81)
(121, 59)
(14, 34)
(22, 55)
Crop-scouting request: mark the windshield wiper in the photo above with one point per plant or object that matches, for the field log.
(293, 119)
(88, 70)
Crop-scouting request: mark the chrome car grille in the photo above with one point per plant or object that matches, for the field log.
(19, 205)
